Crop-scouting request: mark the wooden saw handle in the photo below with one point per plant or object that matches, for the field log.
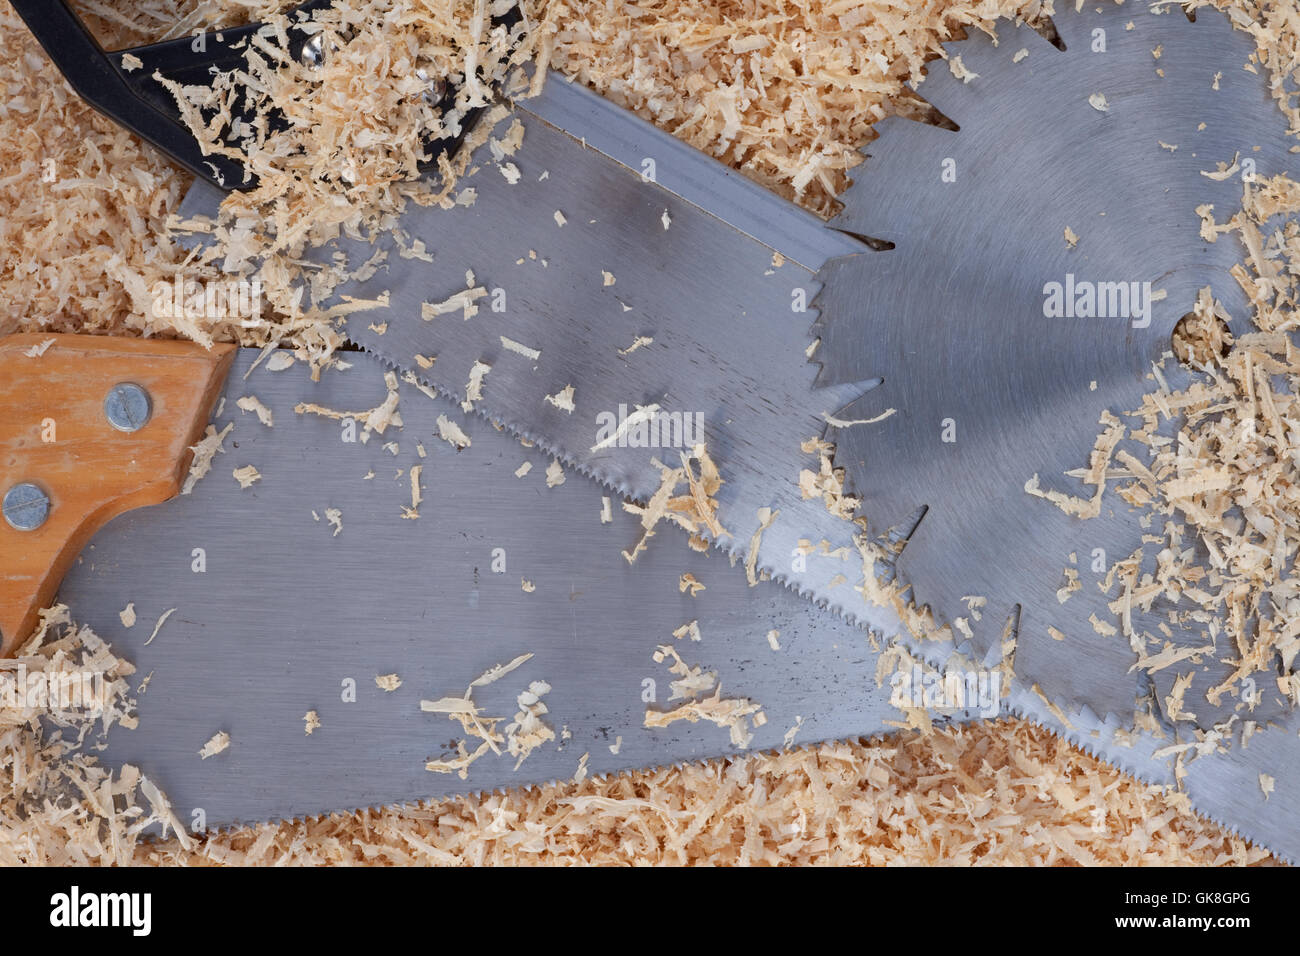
(56, 436)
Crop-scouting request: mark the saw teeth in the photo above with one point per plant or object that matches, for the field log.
(1056, 175)
(864, 212)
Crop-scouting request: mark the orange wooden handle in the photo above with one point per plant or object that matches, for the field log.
(57, 437)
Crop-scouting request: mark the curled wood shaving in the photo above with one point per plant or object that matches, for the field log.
(690, 629)
(251, 403)
(159, 625)
(247, 476)
(765, 518)
(510, 345)
(377, 419)
(696, 511)
(207, 449)
(641, 341)
(563, 399)
(451, 433)
(474, 387)
(219, 742)
(844, 423)
(688, 582)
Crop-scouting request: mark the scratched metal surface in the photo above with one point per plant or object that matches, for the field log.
(952, 317)
(768, 406)
(286, 611)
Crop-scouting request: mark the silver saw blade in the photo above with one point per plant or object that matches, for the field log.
(729, 341)
(276, 615)
(284, 616)
(729, 327)
(989, 391)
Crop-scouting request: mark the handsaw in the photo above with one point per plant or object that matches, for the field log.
(277, 609)
(690, 188)
(282, 616)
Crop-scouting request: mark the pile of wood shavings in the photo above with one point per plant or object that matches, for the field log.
(1226, 481)
(695, 511)
(801, 116)
(58, 806)
(1009, 793)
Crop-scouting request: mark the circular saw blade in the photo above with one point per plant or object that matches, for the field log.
(1082, 164)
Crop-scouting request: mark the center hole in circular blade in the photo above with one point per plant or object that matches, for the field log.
(1201, 338)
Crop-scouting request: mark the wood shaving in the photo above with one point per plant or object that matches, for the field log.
(696, 511)
(765, 518)
(641, 341)
(251, 403)
(247, 476)
(733, 713)
(563, 399)
(218, 743)
(207, 449)
(688, 582)
(554, 474)
(510, 345)
(451, 433)
(335, 519)
(474, 387)
(377, 419)
(642, 414)
(159, 625)
(388, 682)
(127, 615)
(463, 302)
(690, 629)
(523, 469)
(960, 70)
(417, 495)
(311, 721)
(844, 423)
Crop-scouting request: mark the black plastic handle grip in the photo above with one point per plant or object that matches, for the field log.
(134, 99)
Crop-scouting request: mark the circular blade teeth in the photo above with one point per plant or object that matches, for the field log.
(1077, 166)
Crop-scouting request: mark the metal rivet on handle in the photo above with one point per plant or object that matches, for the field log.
(26, 506)
(128, 407)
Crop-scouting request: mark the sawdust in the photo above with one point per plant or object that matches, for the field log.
(1223, 485)
(956, 796)
(1011, 794)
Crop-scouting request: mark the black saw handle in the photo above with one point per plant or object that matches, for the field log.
(135, 100)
